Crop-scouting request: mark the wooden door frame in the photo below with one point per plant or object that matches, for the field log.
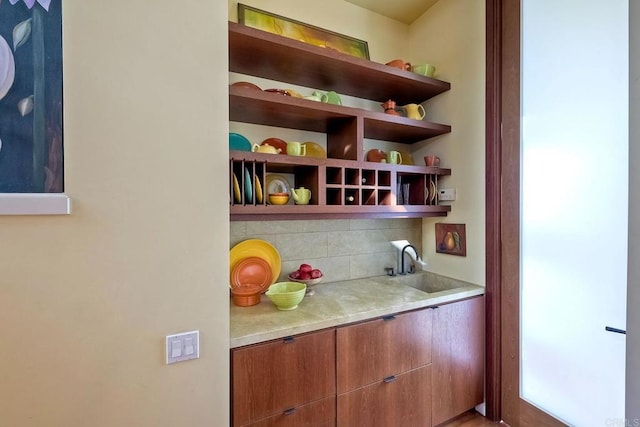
(502, 163)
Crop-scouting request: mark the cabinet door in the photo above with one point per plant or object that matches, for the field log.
(370, 351)
(316, 414)
(458, 358)
(271, 378)
(404, 401)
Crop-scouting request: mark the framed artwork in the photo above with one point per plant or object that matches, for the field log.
(31, 155)
(451, 239)
(296, 30)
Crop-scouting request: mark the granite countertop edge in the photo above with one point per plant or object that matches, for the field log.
(336, 304)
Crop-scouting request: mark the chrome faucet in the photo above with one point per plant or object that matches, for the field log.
(401, 270)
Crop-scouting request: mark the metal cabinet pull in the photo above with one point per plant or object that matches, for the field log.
(390, 379)
(288, 340)
(616, 330)
(389, 317)
(290, 411)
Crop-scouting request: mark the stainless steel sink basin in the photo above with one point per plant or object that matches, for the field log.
(431, 283)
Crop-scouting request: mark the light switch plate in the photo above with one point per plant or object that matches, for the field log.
(183, 346)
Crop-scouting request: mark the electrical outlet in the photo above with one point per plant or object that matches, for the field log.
(447, 194)
(184, 346)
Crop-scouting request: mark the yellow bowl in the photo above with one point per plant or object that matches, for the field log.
(286, 295)
(278, 198)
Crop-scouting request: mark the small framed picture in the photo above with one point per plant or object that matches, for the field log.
(451, 239)
(296, 30)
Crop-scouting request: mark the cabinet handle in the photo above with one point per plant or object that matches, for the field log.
(290, 411)
(288, 340)
(616, 330)
(390, 379)
(389, 317)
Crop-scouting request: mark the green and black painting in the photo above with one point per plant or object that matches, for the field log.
(31, 152)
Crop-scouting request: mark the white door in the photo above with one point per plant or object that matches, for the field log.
(574, 207)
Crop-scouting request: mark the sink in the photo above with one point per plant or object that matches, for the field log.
(431, 283)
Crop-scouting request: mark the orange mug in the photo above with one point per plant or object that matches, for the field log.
(399, 63)
(432, 160)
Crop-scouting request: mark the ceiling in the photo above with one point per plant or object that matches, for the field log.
(405, 11)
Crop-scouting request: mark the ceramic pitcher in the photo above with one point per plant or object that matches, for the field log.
(415, 111)
(301, 196)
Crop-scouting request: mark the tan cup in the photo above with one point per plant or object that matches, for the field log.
(296, 149)
(394, 157)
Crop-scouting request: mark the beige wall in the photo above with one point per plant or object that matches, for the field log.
(451, 35)
(86, 299)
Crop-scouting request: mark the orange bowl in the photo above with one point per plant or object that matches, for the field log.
(246, 295)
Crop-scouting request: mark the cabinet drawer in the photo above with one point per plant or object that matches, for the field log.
(270, 378)
(317, 414)
(370, 351)
(404, 401)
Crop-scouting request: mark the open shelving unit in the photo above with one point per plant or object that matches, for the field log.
(343, 185)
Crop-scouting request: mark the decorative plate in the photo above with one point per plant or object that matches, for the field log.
(248, 193)
(236, 189)
(276, 184)
(276, 143)
(257, 248)
(258, 189)
(376, 155)
(251, 270)
(238, 142)
(315, 150)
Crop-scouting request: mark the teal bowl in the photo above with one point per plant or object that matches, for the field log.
(286, 295)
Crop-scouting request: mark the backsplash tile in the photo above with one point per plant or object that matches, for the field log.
(342, 249)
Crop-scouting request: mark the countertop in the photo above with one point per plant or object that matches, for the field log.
(340, 303)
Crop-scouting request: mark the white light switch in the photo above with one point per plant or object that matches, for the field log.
(181, 347)
(176, 348)
(188, 346)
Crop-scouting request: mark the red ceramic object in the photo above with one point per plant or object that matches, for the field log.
(252, 270)
(376, 155)
(277, 143)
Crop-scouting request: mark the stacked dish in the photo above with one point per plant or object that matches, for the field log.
(254, 265)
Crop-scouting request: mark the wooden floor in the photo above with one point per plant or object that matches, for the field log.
(471, 419)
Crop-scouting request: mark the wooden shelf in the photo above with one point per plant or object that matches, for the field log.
(269, 109)
(284, 212)
(262, 54)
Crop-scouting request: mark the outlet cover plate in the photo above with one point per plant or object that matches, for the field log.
(447, 194)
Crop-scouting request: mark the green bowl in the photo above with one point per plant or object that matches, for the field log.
(286, 295)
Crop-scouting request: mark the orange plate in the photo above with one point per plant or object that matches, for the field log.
(256, 248)
(251, 270)
(376, 155)
(276, 143)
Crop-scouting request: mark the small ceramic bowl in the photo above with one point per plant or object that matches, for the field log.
(286, 295)
(278, 198)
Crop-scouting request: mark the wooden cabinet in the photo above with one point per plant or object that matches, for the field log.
(344, 184)
(290, 381)
(401, 401)
(458, 358)
(418, 368)
(383, 371)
